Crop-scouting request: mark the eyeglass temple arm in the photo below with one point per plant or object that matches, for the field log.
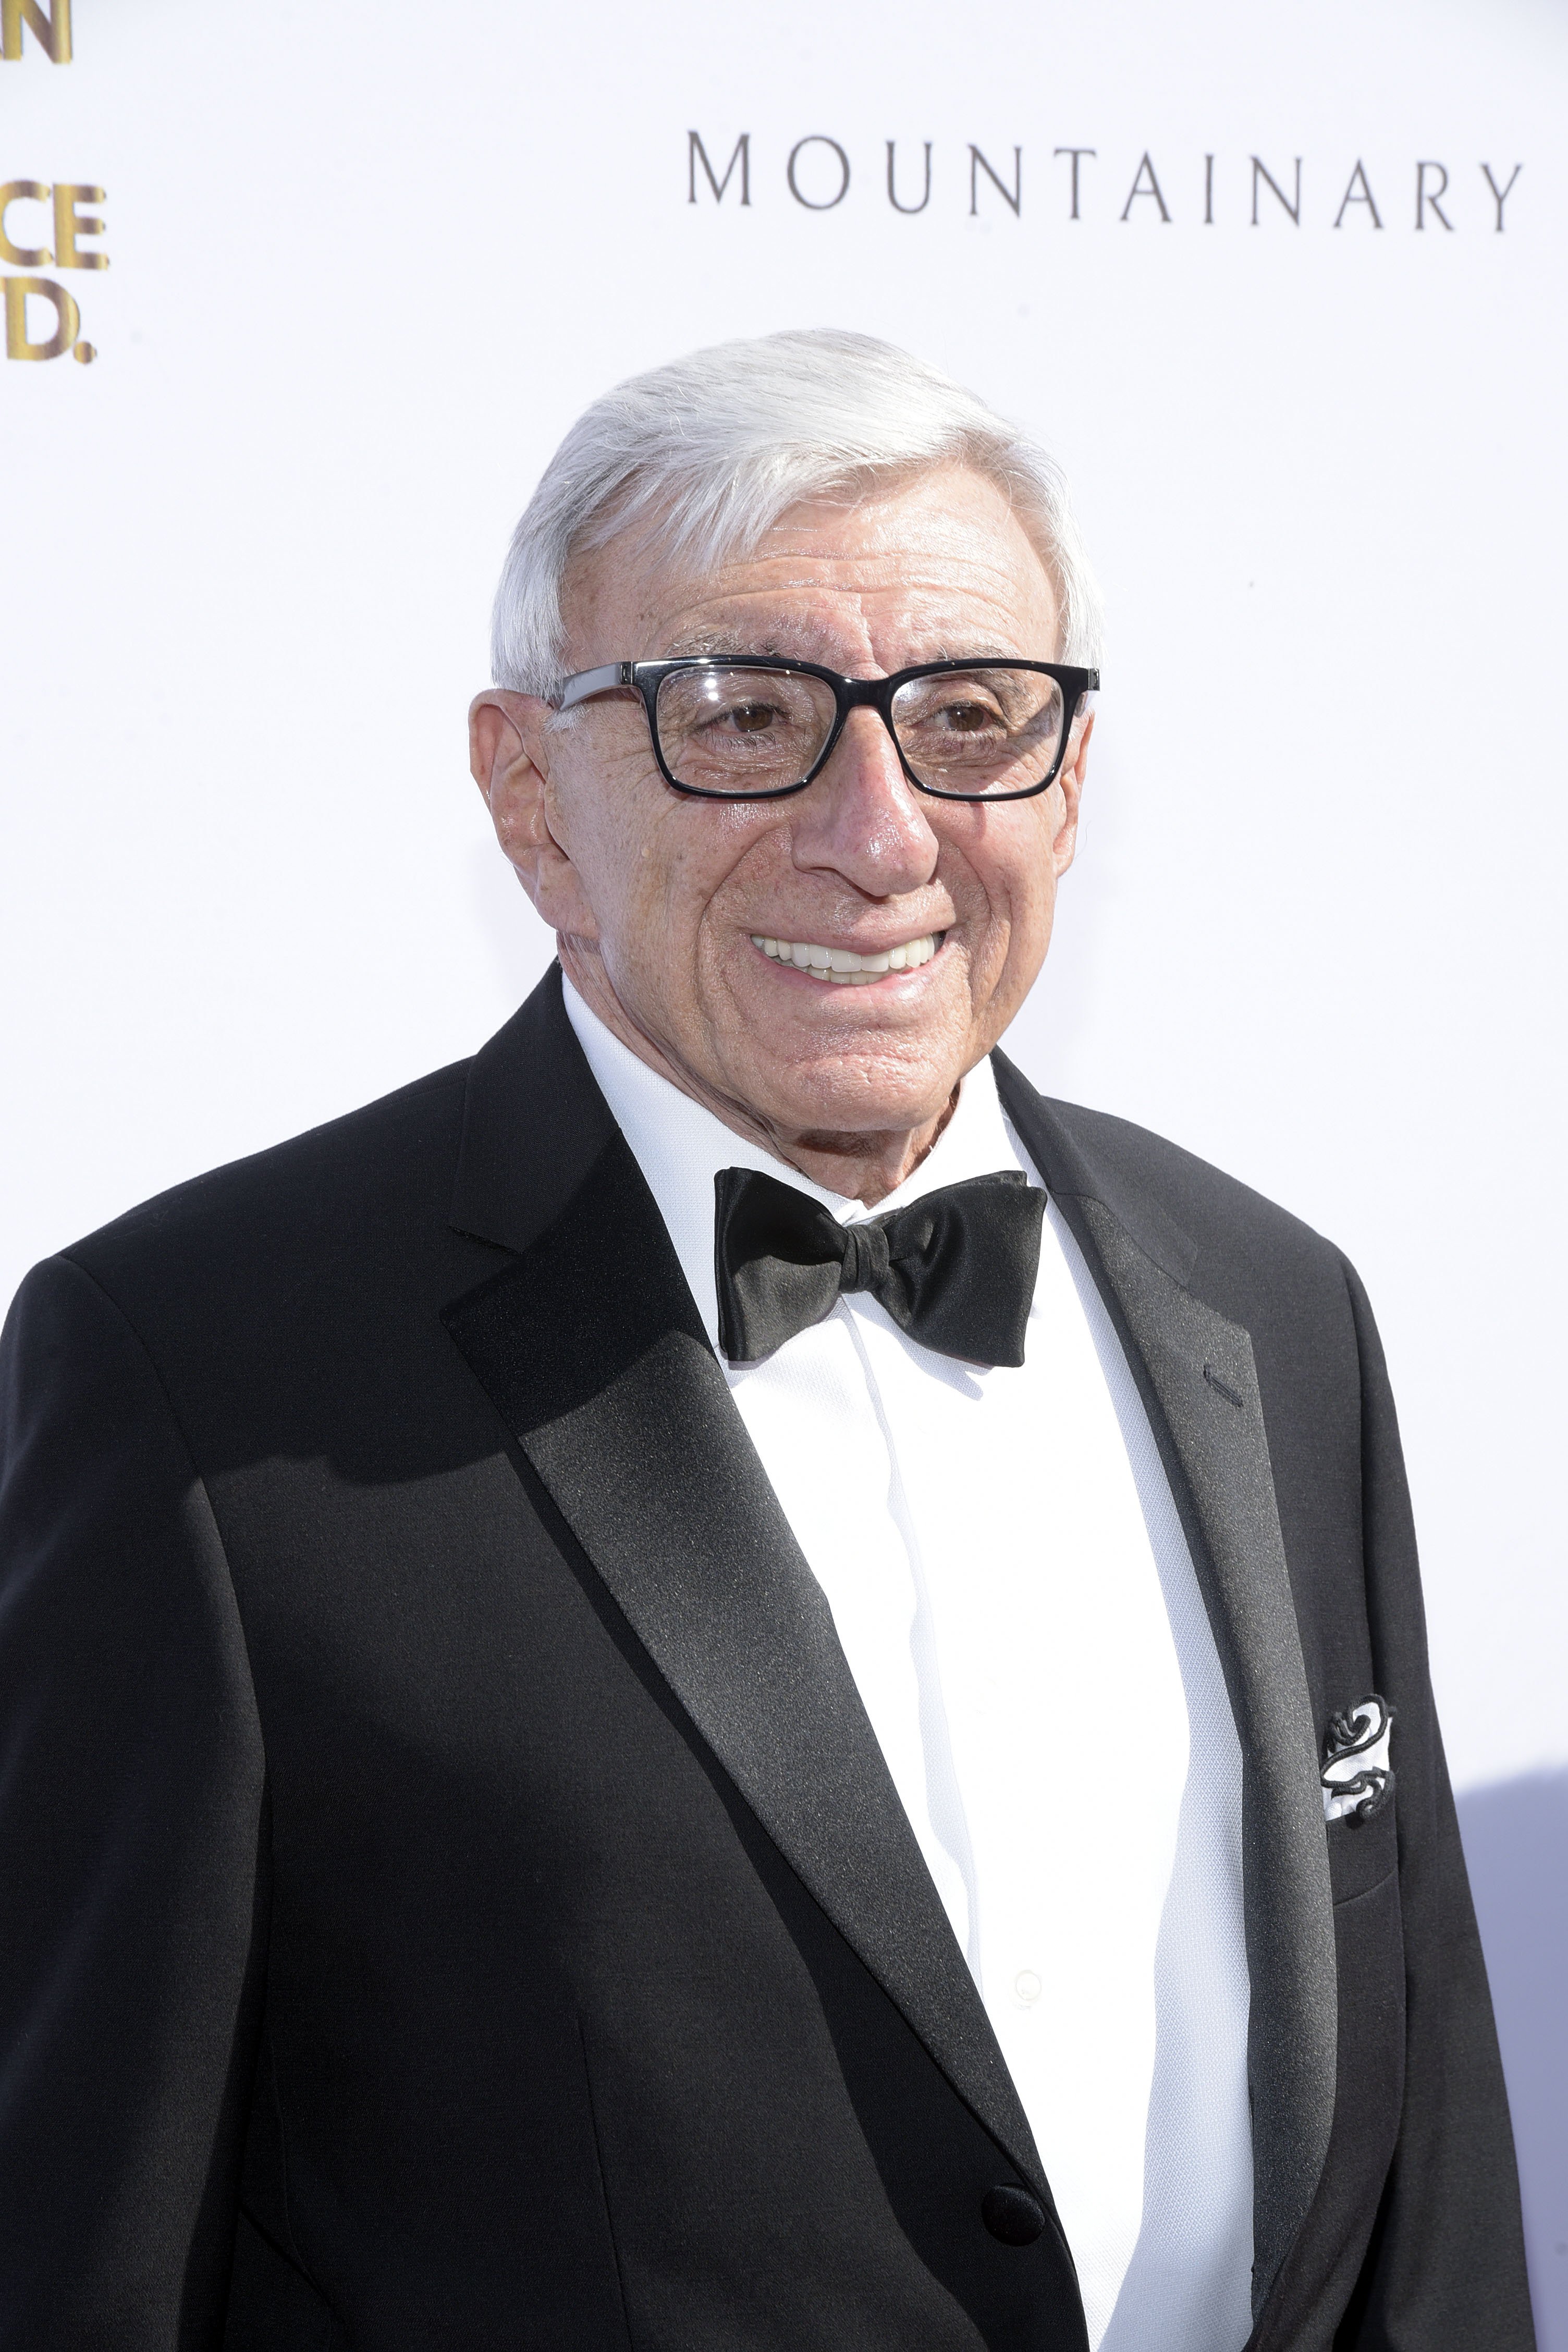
(1080, 702)
(589, 682)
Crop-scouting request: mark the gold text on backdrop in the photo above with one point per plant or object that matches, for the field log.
(50, 21)
(19, 344)
(70, 224)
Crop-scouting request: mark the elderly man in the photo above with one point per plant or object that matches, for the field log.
(715, 1681)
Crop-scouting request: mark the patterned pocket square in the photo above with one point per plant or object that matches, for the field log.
(1358, 1779)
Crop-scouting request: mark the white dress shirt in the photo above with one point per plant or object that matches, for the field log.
(1015, 1597)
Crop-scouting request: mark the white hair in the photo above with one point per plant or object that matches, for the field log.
(708, 453)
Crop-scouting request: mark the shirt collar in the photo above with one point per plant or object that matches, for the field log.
(681, 1147)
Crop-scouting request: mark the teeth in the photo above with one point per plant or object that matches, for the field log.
(843, 965)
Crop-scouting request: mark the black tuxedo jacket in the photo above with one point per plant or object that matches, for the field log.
(450, 1894)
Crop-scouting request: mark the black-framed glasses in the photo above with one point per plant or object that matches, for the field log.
(743, 726)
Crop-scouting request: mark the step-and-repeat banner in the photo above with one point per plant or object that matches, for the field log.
(297, 300)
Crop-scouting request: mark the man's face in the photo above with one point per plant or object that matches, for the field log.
(661, 899)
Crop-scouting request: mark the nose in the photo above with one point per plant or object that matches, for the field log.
(863, 819)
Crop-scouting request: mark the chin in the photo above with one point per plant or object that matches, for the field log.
(839, 1094)
(837, 1063)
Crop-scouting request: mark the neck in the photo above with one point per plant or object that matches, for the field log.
(863, 1166)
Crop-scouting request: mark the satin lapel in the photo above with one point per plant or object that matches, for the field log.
(593, 1353)
(1199, 1382)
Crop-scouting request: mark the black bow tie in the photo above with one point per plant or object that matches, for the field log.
(955, 1270)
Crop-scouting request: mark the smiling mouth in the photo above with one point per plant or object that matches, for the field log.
(843, 965)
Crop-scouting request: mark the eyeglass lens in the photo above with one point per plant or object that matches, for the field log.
(975, 732)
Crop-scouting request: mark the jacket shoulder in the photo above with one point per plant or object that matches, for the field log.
(1203, 1226)
(386, 1166)
(1192, 1190)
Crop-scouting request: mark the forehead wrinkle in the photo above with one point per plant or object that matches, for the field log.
(853, 581)
(856, 611)
(820, 628)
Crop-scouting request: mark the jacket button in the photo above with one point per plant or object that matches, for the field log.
(1013, 2215)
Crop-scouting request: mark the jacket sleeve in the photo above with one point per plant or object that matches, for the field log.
(1444, 2270)
(130, 1825)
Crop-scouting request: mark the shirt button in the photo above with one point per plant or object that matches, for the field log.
(1026, 1985)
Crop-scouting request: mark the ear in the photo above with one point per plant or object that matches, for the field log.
(1070, 785)
(509, 754)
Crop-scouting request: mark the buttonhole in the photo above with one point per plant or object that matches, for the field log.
(1224, 1387)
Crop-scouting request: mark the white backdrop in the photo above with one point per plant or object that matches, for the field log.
(367, 263)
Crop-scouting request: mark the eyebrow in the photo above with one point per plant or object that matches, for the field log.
(701, 642)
